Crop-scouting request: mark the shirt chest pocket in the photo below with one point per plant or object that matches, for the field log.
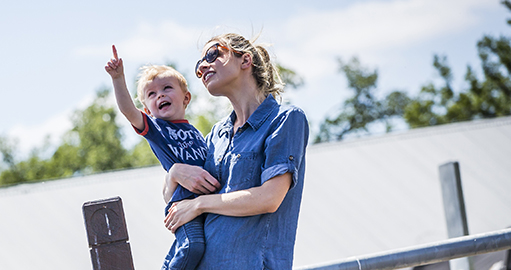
(244, 171)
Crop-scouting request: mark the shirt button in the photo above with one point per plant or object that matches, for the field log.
(291, 158)
(219, 159)
(238, 156)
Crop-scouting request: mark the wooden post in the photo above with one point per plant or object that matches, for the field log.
(508, 260)
(454, 208)
(107, 235)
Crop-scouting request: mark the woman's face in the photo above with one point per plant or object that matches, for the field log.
(221, 74)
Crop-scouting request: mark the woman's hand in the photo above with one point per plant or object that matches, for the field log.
(193, 178)
(253, 201)
(181, 213)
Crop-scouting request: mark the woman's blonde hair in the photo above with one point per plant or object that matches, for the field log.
(150, 72)
(264, 71)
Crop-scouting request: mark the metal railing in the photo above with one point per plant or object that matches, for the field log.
(425, 254)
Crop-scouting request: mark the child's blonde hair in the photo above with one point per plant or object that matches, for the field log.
(150, 72)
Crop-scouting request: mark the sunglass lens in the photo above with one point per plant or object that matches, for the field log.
(198, 73)
(210, 57)
(211, 54)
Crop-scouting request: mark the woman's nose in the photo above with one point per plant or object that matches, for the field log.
(203, 66)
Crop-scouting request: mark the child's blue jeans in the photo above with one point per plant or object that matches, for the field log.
(188, 248)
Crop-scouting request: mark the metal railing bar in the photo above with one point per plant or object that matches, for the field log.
(424, 254)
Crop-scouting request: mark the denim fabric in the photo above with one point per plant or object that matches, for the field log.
(188, 248)
(271, 143)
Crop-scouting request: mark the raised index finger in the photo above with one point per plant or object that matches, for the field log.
(114, 50)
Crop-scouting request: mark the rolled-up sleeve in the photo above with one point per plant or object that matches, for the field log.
(285, 147)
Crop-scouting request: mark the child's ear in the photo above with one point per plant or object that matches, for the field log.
(147, 111)
(246, 61)
(188, 98)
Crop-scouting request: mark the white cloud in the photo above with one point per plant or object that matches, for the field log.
(166, 38)
(369, 28)
(376, 31)
(381, 24)
(30, 137)
(150, 42)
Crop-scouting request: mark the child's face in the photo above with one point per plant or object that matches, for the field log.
(164, 99)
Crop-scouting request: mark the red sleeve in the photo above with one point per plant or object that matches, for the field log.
(146, 126)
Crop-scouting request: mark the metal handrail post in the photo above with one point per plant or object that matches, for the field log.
(425, 254)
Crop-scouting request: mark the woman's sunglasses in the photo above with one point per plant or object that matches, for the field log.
(210, 57)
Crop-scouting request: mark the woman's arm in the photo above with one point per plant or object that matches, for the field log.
(254, 201)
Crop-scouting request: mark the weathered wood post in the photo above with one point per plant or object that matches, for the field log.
(454, 208)
(107, 235)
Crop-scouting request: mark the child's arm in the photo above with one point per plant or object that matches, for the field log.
(115, 68)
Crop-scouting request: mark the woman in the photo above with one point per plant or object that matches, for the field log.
(255, 162)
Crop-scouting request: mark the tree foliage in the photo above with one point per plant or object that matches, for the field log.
(99, 139)
(486, 98)
(92, 145)
(141, 155)
(290, 77)
(14, 174)
(434, 105)
(363, 107)
(483, 98)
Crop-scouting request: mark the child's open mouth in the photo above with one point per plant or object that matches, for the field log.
(163, 105)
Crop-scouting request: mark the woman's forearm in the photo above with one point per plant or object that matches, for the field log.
(254, 201)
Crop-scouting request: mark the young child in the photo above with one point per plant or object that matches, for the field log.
(164, 93)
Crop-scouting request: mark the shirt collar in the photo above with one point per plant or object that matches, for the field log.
(257, 118)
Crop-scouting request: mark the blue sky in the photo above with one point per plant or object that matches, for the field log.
(53, 52)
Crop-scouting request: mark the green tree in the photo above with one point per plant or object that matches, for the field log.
(486, 98)
(99, 136)
(290, 77)
(434, 105)
(142, 155)
(363, 107)
(13, 173)
(65, 162)
(34, 167)
(491, 97)
(93, 145)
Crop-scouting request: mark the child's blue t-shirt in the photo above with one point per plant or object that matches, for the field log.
(175, 142)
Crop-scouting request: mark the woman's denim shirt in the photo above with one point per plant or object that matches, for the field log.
(272, 142)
